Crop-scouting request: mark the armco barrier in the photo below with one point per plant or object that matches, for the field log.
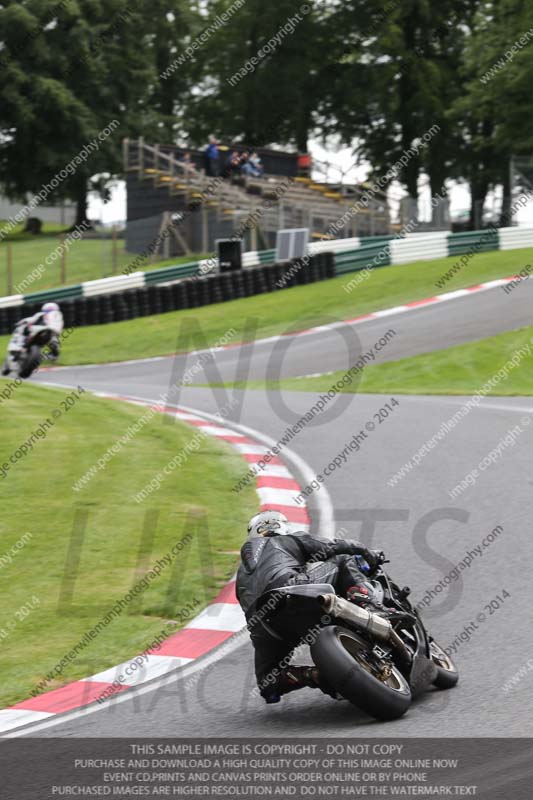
(343, 256)
(11, 301)
(120, 283)
(473, 242)
(428, 246)
(100, 309)
(64, 293)
(172, 273)
(422, 247)
(515, 238)
(367, 255)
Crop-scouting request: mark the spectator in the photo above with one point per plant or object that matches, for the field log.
(234, 163)
(188, 163)
(304, 165)
(212, 157)
(253, 166)
(257, 164)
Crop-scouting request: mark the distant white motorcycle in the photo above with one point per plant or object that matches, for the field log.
(30, 337)
(25, 349)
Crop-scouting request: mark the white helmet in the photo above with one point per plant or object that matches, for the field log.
(50, 307)
(268, 523)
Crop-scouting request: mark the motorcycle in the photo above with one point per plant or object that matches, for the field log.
(378, 664)
(24, 351)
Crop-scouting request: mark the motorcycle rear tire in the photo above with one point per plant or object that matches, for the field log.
(335, 654)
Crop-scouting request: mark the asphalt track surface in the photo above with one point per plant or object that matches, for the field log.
(419, 330)
(424, 532)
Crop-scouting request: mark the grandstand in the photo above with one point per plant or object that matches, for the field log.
(160, 186)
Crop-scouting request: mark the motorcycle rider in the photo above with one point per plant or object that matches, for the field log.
(273, 557)
(49, 316)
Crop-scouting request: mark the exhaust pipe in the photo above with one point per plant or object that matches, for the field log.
(366, 620)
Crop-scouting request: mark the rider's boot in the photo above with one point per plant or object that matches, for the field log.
(290, 679)
(295, 677)
(53, 348)
(361, 593)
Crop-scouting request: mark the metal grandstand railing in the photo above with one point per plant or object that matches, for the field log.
(266, 204)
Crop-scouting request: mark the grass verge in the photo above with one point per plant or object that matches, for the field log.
(85, 260)
(460, 370)
(278, 312)
(82, 551)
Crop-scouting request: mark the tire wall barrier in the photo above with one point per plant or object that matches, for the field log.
(142, 293)
(188, 293)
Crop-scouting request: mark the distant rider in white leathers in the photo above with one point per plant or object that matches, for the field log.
(49, 316)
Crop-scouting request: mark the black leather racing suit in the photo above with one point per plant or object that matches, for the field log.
(270, 562)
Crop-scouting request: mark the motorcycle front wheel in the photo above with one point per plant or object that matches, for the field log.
(31, 362)
(447, 675)
(346, 663)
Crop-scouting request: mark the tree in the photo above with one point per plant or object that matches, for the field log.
(39, 115)
(255, 97)
(170, 27)
(71, 70)
(493, 111)
(396, 81)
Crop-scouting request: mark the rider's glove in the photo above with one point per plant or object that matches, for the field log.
(374, 558)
